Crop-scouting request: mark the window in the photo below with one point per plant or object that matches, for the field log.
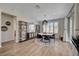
(56, 27)
(52, 27)
(31, 28)
(47, 31)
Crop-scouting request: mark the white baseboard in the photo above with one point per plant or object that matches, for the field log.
(17, 41)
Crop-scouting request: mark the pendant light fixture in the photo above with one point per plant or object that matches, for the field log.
(45, 21)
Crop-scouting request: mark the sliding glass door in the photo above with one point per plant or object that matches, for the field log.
(71, 27)
(70, 30)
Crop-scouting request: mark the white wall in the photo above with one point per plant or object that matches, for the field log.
(7, 35)
(66, 38)
(76, 10)
(41, 27)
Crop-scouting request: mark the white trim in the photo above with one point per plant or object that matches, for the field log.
(0, 30)
(0, 45)
(17, 37)
(75, 18)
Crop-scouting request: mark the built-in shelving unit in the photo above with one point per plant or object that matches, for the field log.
(22, 31)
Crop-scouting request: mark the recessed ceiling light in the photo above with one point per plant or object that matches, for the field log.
(37, 6)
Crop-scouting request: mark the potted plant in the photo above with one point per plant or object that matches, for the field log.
(76, 39)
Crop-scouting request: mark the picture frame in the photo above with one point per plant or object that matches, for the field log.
(4, 28)
(8, 23)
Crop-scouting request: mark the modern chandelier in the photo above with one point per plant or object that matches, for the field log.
(45, 21)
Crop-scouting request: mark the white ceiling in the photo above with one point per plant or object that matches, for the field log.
(30, 12)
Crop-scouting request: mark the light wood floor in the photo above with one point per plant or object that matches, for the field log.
(34, 48)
